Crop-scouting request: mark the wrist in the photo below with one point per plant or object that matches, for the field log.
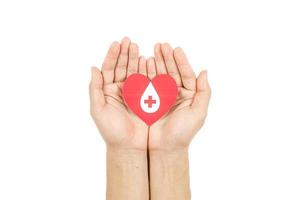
(170, 157)
(126, 159)
(124, 151)
(169, 151)
(127, 170)
(169, 174)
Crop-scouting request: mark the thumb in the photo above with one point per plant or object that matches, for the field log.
(97, 99)
(203, 93)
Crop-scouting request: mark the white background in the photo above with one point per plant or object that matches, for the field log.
(249, 147)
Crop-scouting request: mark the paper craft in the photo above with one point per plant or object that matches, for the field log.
(150, 100)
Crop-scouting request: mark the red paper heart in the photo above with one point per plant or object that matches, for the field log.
(150, 100)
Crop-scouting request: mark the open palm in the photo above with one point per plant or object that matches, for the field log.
(177, 128)
(118, 126)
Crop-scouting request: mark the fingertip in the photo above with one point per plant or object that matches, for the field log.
(207, 82)
(133, 44)
(166, 44)
(157, 47)
(95, 89)
(151, 68)
(115, 47)
(166, 48)
(93, 71)
(158, 52)
(125, 40)
(125, 44)
(202, 97)
(204, 72)
(151, 58)
(93, 79)
(142, 65)
(150, 62)
(202, 81)
(178, 51)
(114, 44)
(142, 58)
(178, 54)
(134, 49)
(142, 61)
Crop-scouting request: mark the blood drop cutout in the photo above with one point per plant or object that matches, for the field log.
(150, 100)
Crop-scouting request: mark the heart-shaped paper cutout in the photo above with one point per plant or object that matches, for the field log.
(150, 100)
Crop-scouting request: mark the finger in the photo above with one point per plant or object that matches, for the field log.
(133, 61)
(151, 69)
(203, 93)
(159, 60)
(110, 61)
(97, 99)
(167, 53)
(186, 72)
(121, 68)
(142, 66)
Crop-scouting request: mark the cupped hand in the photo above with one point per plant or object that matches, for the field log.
(176, 129)
(119, 127)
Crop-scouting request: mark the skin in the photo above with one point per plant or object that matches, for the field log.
(124, 133)
(170, 133)
(128, 138)
(169, 138)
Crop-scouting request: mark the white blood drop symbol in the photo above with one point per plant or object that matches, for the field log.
(150, 100)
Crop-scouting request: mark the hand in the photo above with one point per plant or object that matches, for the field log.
(176, 130)
(119, 127)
